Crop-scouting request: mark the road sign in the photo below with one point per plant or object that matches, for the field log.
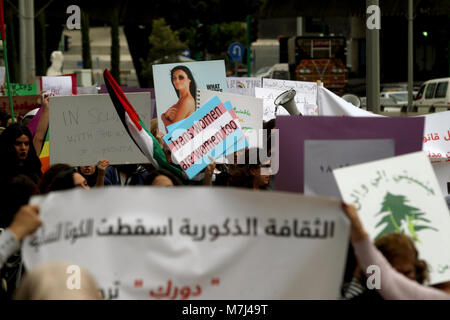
(236, 51)
(186, 53)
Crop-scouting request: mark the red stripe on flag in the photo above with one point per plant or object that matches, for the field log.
(123, 99)
(2, 21)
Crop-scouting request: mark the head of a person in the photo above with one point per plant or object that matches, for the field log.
(162, 178)
(400, 251)
(16, 145)
(5, 119)
(17, 193)
(183, 79)
(49, 282)
(61, 176)
(248, 175)
(87, 170)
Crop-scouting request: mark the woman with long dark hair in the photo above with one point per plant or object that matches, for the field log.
(185, 87)
(18, 155)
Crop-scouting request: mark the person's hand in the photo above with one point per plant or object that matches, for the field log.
(26, 221)
(101, 166)
(357, 232)
(171, 113)
(209, 170)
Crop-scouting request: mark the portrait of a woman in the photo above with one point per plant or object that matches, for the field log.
(185, 88)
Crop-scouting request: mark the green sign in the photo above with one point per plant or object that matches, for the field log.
(19, 89)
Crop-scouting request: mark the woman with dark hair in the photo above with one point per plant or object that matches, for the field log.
(184, 84)
(18, 154)
(162, 178)
(61, 176)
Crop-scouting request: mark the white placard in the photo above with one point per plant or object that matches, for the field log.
(85, 129)
(269, 96)
(157, 247)
(306, 92)
(323, 156)
(57, 86)
(401, 194)
(249, 111)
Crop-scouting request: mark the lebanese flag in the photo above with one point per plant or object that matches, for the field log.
(136, 129)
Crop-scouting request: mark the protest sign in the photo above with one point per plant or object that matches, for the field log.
(176, 87)
(243, 82)
(211, 131)
(295, 159)
(249, 112)
(269, 96)
(24, 89)
(85, 129)
(87, 90)
(436, 136)
(401, 195)
(306, 92)
(155, 246)
(2, 75)
(57, 85)
(22, 104)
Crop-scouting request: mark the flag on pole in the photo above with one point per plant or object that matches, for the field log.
(2, 21)
(45, 154)
(136, 129)
(5, 55)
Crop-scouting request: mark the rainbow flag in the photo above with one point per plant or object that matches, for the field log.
(45, 155)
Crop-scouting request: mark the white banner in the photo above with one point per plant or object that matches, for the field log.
(57, 85)
(401, 195)
(151, 243)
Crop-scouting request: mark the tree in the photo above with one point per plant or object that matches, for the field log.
(398, 212)
(165, 47)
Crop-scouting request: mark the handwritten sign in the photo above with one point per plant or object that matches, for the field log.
(323, 156)
(306, 92)
(22, 104)
(436, 139)
(406, 132)
(154, 246)
(249, 112)
(401, 195)
(57, 85)
(269, 96)
(85, 129)
(18, 89)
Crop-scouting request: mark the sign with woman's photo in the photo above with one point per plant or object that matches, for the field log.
(176, 87)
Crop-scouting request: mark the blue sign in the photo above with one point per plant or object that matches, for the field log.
(186, 53)
(236, 51)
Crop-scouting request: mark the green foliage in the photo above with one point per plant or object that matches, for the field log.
(165, 47)
(398, 212)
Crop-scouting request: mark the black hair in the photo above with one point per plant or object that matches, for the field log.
(162, 172)
(192, 86)
(58, 177)
(9, 162)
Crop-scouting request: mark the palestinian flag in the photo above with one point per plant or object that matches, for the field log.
(45, 155)
(145, 141)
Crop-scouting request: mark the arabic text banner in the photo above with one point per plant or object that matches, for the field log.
(401, 195)
(154, 246)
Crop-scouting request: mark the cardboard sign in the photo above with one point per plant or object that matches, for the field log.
(243, 82)
(22, 104)
(401, 195)
(249, 112)
(85, 129)
(157, 244)
(295, 130)
(175, 98)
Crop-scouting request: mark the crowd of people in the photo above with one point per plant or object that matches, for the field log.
(403, 273)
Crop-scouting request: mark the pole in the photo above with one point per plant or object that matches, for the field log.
(410, 55)
(8, 83)
(27, 60)
(249, 49)
(373, 65)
